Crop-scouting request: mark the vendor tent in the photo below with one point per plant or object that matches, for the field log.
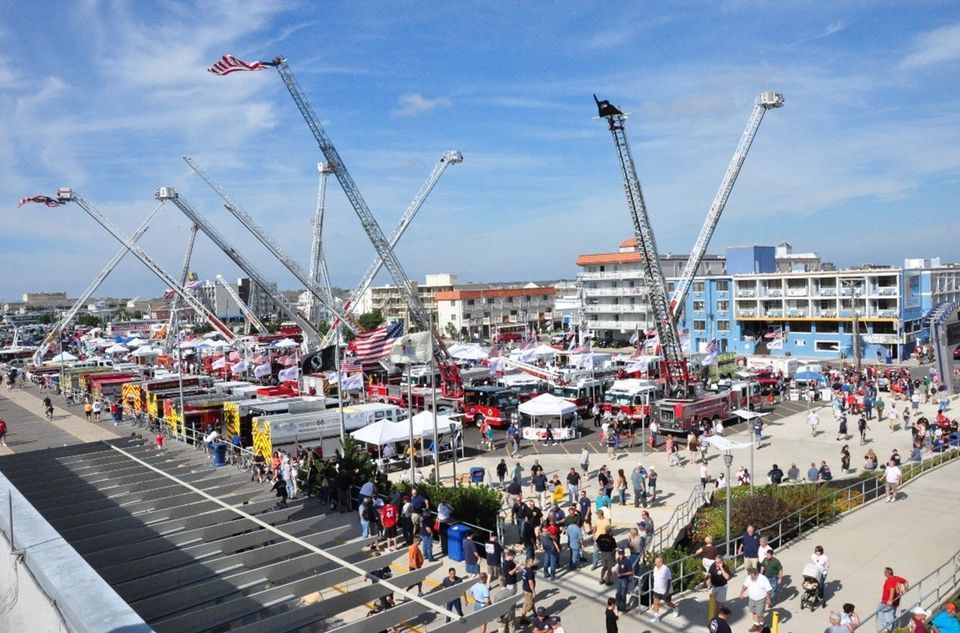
(63, 357)
(547, 405)
(116, 349)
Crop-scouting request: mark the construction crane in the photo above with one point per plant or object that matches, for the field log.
(676, 364)
(320, 293)
(765, 101)
(171, 194)
(251, 318)
(449, 158)
(318, 261)
(65, 194)
(92, 288)
(449, 372)
(171, 339)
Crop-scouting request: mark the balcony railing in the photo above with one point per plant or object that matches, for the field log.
(746, 293)
(615, 292)
(600, 308)
(637, 274)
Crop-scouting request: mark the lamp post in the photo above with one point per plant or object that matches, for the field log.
(728, 461)
(453, 449)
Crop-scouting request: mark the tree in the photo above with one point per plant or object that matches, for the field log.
(371, 320)
(88, 320)
(45, 318)
(451, 330)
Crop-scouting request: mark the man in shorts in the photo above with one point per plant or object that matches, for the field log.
(719, 575)
(757, 589)
(662, 590)
(892, 477)
(390, 518)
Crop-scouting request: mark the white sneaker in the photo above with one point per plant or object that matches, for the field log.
(676, 613)
(655, 618)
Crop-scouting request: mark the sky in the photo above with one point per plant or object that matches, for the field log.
(860, 165)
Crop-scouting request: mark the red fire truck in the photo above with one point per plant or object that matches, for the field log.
(633, 396)
(681, 415)
(496, 405)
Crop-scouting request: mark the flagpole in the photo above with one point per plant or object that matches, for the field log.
(413, 470)
(433, 389)
(336, 362)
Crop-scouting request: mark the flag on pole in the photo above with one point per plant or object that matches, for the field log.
(352, 383)
(777, 340)
(412, 348)
(635, 337)
(230, 64)
(711, 349)
(168, 293)
(239, 368)
(261, 371)
(320, 361)
(290, 373)
(47, 200)
(375, 344)
(220, 363)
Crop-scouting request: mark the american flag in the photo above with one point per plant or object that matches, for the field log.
(230, 64)
(47, 200)
(190, 285)
(375, 344)
(168, 293)
(349, 366)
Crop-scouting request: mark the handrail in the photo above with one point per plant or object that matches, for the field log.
(692, 565)
(680, 517)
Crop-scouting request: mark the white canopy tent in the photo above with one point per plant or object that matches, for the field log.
(137, 342)
(63, 357)
(286, 342)
(146, 350)
(116, 349)
(465, 351)
(548, 409)
(547, 404)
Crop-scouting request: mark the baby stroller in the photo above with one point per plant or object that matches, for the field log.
(811, 587)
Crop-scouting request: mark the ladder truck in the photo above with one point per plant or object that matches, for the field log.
(686, 405)
(451, 382)
(319, 292)
(318, 263)
(449, 158)
(92, 288)
(171, 194)
(248, 314)
(678, 380)
(765, 101)
(65, 194)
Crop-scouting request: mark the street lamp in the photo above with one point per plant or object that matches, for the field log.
(728, 461)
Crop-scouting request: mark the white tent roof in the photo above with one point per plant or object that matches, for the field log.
(116, 349)
(547, 404)
(423, 424)
(145, 351)
(468, 352)
(545, 350)
(286, 342)
(63, 357)
(137, 342)
(386, 432)
(719, 442)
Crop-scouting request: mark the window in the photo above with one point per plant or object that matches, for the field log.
(723, 285)
(698, 306)
(723, 326)
(700, 325)
(469, 302)
(509, 299)
(826, 346)
(698, 286)
(723, 306)
(670, 286)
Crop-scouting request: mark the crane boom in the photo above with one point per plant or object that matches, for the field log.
(169, 193)
(171, 337)
(244, 308)
(289, 263)
(92, 288)
(318, 261)
(65, 194)
(677, 375)
(449, 158)
(765, 101)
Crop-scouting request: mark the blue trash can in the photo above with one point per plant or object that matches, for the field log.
(219, 453)
(455, 536)
(476, 474)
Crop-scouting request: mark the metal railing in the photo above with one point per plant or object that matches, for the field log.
(930, 592)
(802, 520)
(680, 518)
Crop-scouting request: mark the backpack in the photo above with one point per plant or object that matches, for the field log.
(367, 513)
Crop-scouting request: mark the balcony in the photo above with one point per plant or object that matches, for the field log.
(797, 292)
(797, 312)
(616, 292)
(887, 314)
(631, 274)
(746, 293)
(776, 313)
(827, 313)
(886, 291)
(600, 308)
(825, 292)
(625, 325)
(748, 314)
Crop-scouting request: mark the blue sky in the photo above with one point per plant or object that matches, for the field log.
(861, 164)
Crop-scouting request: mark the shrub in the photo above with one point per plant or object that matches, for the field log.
(478, 505)
(671, 558)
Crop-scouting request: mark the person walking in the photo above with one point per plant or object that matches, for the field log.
(834, 625)
(893, 589)
(502, 471)
(624, 574)
(471, 558)
(493, 554)
(606, 545)
(575, 542)
(585, 461)
(750, 547)
(652, 484)
(719, 575)
(573, 484)
(450, 580)
(772, 570)
(551, 554)
(719, 624)
(481, 597)
(813, 420)
(528, 584)
(845, 458)
(622, 487)
(3, 432)
(415, 561)
(892, 477)
(863, 428)
(611, 616)
(662, 590)
(97, 410)
(757, 589)
(822, 561)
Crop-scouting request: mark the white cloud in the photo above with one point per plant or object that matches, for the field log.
(414, 103)
(833, 27)
(941, 45)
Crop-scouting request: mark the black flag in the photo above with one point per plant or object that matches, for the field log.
(320, 361)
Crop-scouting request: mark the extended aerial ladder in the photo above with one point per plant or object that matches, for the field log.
(319, 292)
(765, 101)
(450, 158)
(449, 372)
(248, 314)
(65, 194)
(92, 288)
(318, 261)
(676, 364)
(171, 338)
(171, 194)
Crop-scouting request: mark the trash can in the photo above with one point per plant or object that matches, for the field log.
(219, 453)
(476, 474)
(455, 536)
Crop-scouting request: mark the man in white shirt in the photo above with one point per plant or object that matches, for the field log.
(662, 590)
(892, 476)
(757, 589)
(814, 421)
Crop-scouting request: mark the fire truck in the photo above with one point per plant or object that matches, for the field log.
(633, 396)
(582, 392)
(496, 405)
(681, 415)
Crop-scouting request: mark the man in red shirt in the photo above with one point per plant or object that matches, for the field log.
(893, 588)
(3, 432)
(390, 518)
